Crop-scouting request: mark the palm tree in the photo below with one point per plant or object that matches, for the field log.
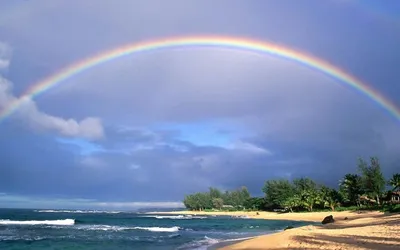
(292, 202)
(351, 188)
(329, 197)
(395, 181)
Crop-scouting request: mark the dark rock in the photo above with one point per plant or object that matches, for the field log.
(288, 227)
(345, 218)
(328, 219)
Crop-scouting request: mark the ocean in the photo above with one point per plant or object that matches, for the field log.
(105, 230)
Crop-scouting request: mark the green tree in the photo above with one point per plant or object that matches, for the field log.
(235, 198)
(218, 203)
(227, 197)
(277, 192)
(188, 201)
(395, 182)
(330, 197)
(239, 196)
(309, 198)
(306, 189)
(244, 195)
(198, 201)
(255, 203)
(205, 201)
(292, 202)
(304, 184)
(215, 193)
(372, 177)
(350, 188)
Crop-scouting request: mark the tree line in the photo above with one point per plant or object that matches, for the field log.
(366, 187)
(217, 199)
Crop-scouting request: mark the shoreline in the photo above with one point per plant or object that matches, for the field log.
(361, 230)
(302, 216)
(228, 243)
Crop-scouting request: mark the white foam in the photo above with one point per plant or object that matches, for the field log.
(104, 228)
(119, 228)
(238, 239)
(202, 244)
(210, 241)
(77, 211)
(66, 222)
(25, 238)
(159, 229)
(176, 217)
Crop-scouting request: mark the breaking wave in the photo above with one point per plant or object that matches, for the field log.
(202, 244)
(206, 242)
(120, 228)
(159, 229)
(66, 222)
(176, 217)
(103, 228)
(77, 211)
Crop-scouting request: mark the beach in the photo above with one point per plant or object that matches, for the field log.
(366, 230)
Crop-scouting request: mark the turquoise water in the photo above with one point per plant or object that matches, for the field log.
(75, 229)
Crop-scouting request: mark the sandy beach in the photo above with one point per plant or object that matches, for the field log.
(314, 216)
(366, 230)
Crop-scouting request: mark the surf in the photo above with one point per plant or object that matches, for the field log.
(66, 222)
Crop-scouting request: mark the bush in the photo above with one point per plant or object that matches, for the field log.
(392, 208)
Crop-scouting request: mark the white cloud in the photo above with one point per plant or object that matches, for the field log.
(91, 161)
(134, 166)
(5, 55)
(4, 64)
(89, 127)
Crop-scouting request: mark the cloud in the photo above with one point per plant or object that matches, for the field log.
(89, 127)
(91, 161)
(134, 166)
(5, 55)
(175, 121)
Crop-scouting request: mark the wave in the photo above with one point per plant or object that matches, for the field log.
(103, 228)
(175, 217)
(24, 238)
(66, 222)
(121, 228)
(159, 229)
(77, 211)
(238, 239)
(206, 242)
(202, 244)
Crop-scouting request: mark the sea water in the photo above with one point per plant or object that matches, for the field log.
(98, 230)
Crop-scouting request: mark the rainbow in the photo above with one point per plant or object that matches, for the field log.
(204, 41)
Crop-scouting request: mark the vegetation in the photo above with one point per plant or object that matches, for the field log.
(350, 187)
(372, 178)
(215, 199)
(365, 190)
(395, 182)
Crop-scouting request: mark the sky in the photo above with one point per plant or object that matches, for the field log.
(146, 129)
